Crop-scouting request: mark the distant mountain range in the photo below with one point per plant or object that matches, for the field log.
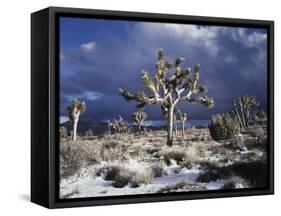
(100, 127)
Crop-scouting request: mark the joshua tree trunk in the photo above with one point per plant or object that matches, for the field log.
(75, 121)
(243, 116)
(75, 117)
(239, 118)
(170, 126)
(139, 127)
(182, 128)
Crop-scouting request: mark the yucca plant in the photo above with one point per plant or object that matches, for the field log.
(169, 91)
(74, 111)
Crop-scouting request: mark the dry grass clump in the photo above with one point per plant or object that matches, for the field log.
(176, 153)
(191, 156)
(73, 155)
(122, 176)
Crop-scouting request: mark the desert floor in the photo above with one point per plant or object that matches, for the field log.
(120, 164)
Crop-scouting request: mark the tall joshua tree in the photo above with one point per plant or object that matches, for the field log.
(183, 118)
(169, 91)
(139, 117)
(77, 107)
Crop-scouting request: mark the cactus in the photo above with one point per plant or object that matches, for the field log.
(222, 127)
(168, 92)
(77, 107)
(139, 118)
(244, 109)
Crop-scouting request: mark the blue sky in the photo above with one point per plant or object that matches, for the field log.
(99, 56)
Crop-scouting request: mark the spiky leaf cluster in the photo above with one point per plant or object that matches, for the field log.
(139, 117)
(182, 86)
(76, 107)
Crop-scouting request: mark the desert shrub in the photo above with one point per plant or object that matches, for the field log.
(139, 178)
(253, 172)
(74, 155)
(182, 185)
(209, 175)
(158, 170)
(172, 154)
(111, 172)
(222, 127)
(235, 183)
(175, 187)
(122, 176)
(63, 132)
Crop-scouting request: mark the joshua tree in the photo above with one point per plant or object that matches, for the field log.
(175, 125)
(183, 118)
(244, 109)
(89, 133)
(167, 92)
(120, 125)
(139, 117)
(77, 107)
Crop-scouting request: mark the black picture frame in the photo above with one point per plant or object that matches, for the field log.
(45, 101)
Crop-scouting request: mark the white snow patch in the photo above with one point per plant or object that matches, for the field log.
(215, 185)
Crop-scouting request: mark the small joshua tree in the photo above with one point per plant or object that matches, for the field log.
(139, 117)
(244, 109)
(168, 92)
(183, 118)
(119, 126)
(89, 133)
(77, 107)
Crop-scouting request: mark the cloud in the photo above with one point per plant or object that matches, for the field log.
(88, 46)
(233, 63)
(86, 95)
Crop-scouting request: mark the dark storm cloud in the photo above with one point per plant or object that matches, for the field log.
(233, 63)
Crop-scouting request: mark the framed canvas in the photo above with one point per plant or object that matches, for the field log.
(139, 107)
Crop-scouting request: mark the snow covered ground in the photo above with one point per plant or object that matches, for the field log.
(89, 185)
(123, 164)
